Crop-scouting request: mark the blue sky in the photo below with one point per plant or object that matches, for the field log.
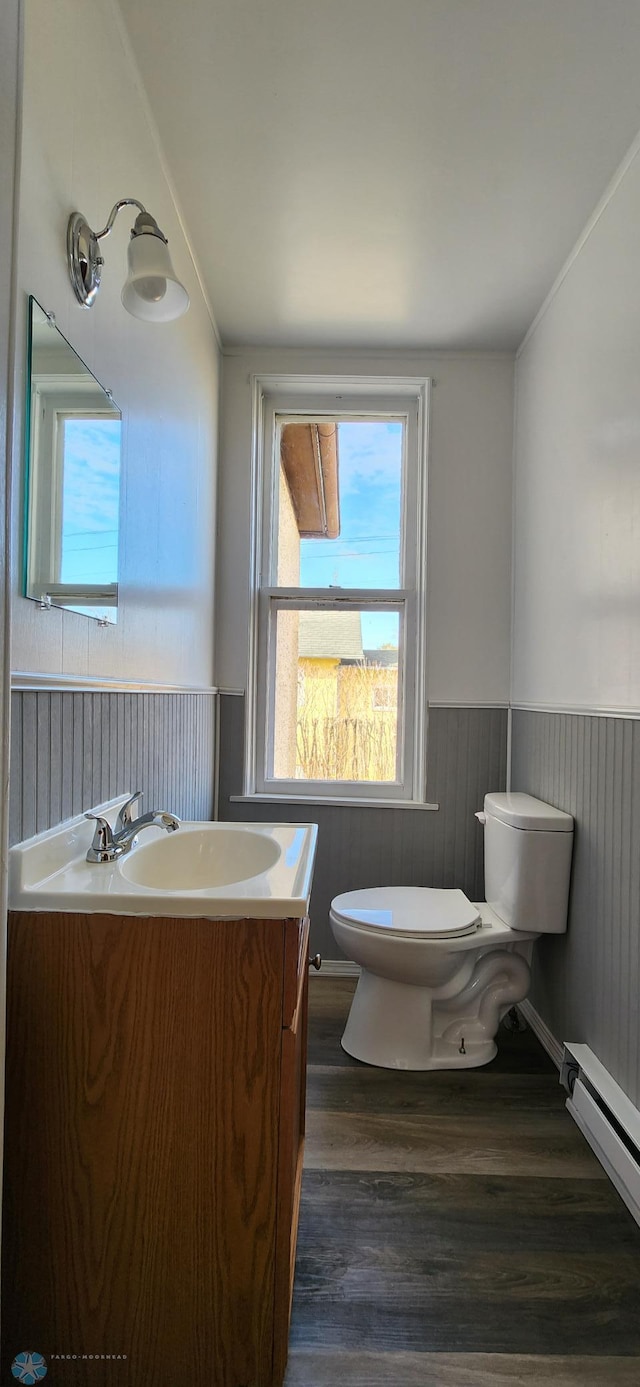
(366, 553)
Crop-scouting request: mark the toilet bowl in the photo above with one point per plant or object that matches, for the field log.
(438, 971)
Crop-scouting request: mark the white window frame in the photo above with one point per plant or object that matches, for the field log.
(337, 396)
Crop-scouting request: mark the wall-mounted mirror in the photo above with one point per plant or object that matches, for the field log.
(72, 497)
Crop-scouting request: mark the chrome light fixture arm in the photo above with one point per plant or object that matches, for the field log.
(117, 207)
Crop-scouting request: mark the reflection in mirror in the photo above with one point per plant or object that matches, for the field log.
(73, 479)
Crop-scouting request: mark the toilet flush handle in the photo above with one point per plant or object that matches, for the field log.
(481, 817)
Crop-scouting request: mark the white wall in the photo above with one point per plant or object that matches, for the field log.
(576, 637)
(87, 143)
(469, 544)
(577, 477)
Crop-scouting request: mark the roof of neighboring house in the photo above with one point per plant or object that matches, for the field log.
(330, 636)
(386, 658)
(309, 456)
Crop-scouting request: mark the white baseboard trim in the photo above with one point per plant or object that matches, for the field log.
(337, 968)
(540, 1028)
(603, 1083)
(608, 1119)
(620, 1163)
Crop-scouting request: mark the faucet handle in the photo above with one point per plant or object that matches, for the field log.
(103, 847)
(125, 814)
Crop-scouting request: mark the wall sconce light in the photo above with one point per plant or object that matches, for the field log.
(151, 290)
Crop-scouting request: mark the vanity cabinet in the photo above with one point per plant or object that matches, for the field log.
(153, 1148)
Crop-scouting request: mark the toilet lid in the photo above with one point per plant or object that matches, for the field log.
(424, 912)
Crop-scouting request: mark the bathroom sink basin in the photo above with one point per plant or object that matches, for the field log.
(203, 870)
(198, 857)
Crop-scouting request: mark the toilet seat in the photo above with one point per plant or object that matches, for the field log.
(417, 912)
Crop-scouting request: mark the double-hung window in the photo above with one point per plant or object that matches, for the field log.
(337, 689)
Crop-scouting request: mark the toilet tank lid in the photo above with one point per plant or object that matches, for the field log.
(523, 811)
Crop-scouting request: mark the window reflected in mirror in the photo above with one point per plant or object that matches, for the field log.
(73, 479)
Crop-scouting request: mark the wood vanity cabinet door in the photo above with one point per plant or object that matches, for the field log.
(291, 1138)
(149, 1078)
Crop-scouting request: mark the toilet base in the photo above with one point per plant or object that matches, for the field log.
(474, 1056)
(396, 1025)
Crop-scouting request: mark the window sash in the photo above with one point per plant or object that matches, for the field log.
(389, 412)
(347, 409)
(274, 600)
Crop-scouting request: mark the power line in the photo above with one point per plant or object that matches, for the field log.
(355, 539)
(344, 554)
(73, 534)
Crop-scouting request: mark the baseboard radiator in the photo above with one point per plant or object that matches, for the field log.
(606, 1117)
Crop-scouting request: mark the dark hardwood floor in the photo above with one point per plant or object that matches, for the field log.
(456, 1229)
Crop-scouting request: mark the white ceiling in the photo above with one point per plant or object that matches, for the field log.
(373, 173)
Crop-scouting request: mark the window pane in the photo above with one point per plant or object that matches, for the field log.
(335, 700)
(340, 501)
(90, 500)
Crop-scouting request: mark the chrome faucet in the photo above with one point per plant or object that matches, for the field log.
(110, 843)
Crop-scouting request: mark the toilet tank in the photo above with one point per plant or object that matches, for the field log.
(527, 862)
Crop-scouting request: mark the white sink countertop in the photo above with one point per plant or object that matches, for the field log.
(50, 872)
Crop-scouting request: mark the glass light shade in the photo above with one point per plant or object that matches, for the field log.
(151, 290)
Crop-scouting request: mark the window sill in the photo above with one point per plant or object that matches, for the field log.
(321, 801)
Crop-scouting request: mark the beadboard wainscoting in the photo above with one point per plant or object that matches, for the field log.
(366, 846)
(585, 983)
(72, 750)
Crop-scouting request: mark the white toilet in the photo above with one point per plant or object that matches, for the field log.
(438, 972)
